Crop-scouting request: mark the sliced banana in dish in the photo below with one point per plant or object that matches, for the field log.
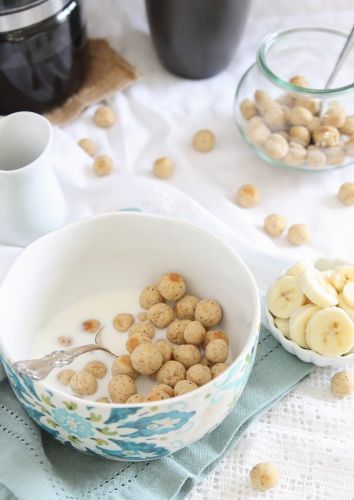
(330, 332)
(283, 326)
(344, 305)
(284, 297)
(348, 293)
(298, 323)
(317, 288)
(342, 275)
(297, 268)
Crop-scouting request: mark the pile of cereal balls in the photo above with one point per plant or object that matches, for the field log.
(194, 352)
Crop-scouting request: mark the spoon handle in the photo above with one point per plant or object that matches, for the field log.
(341, 58)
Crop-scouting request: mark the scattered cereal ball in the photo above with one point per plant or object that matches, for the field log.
(335, 116)
(247, 196)
(263, 101)
(346, 193)
(194, 333)
(217, 351)
(186, 354)
(264, 476)
(64, 376)
(136, 398)
(88, 146)
(91, 326)
(258, 134)
(299, 234)
(146, 359)
(310, 104)
(165, 349)
(170, 373)
(145, 327)
(215, 334)
(248, 109)
(342, 384)
(102, 400)
(137, 339)
(142, 316)
(335, 155)
(300, 134)
(185, 307)
(274, 225)
(199, 374)
(150, 296)
(83, 383)
(208, 312)
(123, 321)
(316, 158)
(218, 368)
(326, 136)
(96, 368)
(348, 127)
(274, 117)
(175, 332)
(120, 388)
(161, 315)
(204, 141)
(103, 165)
(300, 116)
(123, 366)
(296, 155)
(104, 117)
(276, 146)
(163, 167)
(65, 341)
(184, 386)
(299, 81)
(172, 286)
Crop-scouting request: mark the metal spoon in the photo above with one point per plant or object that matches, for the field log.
(341, 58)
(38, 369)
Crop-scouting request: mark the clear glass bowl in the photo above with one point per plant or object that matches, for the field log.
(306, 142)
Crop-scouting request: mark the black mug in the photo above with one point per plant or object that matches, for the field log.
(196, 38)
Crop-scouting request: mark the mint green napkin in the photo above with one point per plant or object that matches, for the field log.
(34, 466)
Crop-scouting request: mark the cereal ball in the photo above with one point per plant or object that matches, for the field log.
(248, 109)
(274, 117)
(349, 147)
(254, 122)
(264, 476)
(300, 134)
(185, 307)
(247, 196)
(123, 366)
(103, 400)
(326, 136)
(170, 373)
(142, 316)
(285, 100)
(296, 155)
(335, 116)
(186, 354)
(276, 146)
(199, 374)
(299, 81)
(316, 159)
(310, 104)
(65, 341)
(160, 391)
(274, 225)
(218, 368)
(300, 116)
(258, 134)
(120, 388)
(184, 386)
(284, 134)
(103, 165)
(217, 351)
(137, 339)
(215, 334)
(208, 312)
(175, 332)
(164, 387)
(315, 122)
(161, 315)
(194, 333)
(346, 193)
(88, 146)
(204, 141)
(335, 155)
(104, 117)
(299, 234)
(165, 349)
(136, 398)
(91, 326)
(204, 361)
(348, 127)
(123, 321)
(96, 368)
(150, 296)
(145, 327)
(83, 383)
(171, 286)
(263, 101)
(163, 167)
(146, 359)
(64, 376)
(342, 384)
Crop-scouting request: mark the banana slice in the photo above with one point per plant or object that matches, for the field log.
(344, 305)
(317, 288)
(330, 332)
(348, 293)
(341, 275)
(283, 326)
(298, 322)
(284, 297)
(297, 268)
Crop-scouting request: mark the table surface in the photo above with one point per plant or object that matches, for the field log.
(309, 435)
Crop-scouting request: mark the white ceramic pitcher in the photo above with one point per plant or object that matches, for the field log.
(31, 200)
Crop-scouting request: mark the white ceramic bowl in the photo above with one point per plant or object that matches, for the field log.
(126, 250)
(308, 355)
